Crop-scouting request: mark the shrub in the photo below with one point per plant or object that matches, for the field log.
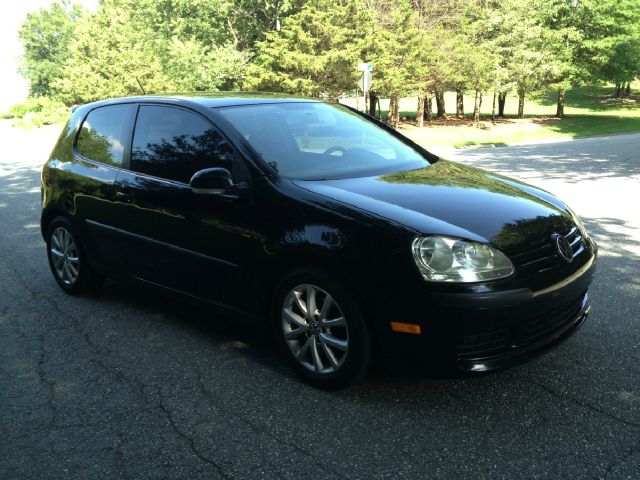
(38, 111)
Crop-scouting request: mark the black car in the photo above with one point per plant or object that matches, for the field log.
(349, 238)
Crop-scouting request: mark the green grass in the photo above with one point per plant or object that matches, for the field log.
(586, 115)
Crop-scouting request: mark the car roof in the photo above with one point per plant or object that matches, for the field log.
(214, 99)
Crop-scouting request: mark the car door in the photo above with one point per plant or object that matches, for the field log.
(99, 155)
(171, 236)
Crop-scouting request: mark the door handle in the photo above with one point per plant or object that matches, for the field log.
(123, 197)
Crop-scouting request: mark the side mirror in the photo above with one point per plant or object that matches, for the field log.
(211, 181)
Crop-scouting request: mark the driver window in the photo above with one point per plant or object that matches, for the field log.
(174, 144)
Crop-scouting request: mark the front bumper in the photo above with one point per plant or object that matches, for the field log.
(517, 342)
(480, 332)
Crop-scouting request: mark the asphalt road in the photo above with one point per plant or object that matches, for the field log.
(129, 383)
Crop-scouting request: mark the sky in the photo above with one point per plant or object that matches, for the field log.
(13, 88)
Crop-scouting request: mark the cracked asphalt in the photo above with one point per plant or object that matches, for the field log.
(130, 383)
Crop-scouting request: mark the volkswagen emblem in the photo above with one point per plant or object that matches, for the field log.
(563, 247)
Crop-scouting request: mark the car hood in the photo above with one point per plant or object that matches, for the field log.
(448, 198)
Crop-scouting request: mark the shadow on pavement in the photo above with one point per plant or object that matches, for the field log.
(577, 166)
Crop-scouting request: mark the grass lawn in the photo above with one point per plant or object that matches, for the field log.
(585, 114)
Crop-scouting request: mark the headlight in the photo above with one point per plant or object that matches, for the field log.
(580, 225)
(444, 259)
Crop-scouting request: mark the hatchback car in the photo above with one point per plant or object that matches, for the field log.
(350, 239)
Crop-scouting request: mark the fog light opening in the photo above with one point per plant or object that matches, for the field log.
(402, 327)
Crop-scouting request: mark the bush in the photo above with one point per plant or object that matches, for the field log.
(38, 111)
(18, 111)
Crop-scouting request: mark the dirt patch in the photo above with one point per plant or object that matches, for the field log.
(631, 99)
(455, 122)
(485, 123)
(546, 121)
(497, 125)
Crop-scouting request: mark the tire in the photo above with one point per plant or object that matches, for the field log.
(67, 259)
(328, 348)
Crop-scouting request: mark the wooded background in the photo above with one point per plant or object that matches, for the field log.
(419, 48)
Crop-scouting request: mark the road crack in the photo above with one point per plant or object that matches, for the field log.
(50, 386)
(628, 454)
(256, 429)
(189, 440)
(586, 405)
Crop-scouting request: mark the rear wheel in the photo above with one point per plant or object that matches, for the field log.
(67, 259)
(320, 330)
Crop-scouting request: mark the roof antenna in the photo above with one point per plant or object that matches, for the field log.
(141, 87)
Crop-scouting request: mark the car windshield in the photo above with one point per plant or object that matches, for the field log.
(314, 141)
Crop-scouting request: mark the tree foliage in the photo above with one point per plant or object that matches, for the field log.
(315, 53)
(46, 35)
(167, 46)
(418, 47)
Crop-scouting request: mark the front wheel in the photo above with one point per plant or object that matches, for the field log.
(320, 330)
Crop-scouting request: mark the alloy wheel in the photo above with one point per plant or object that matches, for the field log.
(64, 256)
(315, 329)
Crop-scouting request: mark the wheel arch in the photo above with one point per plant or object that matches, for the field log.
(295, 261)
(47, 217)
(334, 282)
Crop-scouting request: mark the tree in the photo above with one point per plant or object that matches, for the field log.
(562, 19)
(522, 42)
(395, 50)
(251, 20)
(623, 65)
(169, 45)
(438, 21)
(478, 62)
(108, 56)
(609, 31)
(314, 53)
(438, 72)
(46, 36)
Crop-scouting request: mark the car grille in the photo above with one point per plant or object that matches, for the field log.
(544, 256)
(504, 339)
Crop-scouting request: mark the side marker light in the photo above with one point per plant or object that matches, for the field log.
(406, 328)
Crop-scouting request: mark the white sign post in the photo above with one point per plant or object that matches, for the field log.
(364, 83)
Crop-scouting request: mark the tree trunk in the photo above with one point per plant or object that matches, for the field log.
(560, 107)
(373, 100)
(502, 99)
(627, 90)
(618, 90)
(420, 111)
(459, 103)
(428, 108)
(394, 111)
(476, 106)
(521, 95)
(493, 106)
(440, 107)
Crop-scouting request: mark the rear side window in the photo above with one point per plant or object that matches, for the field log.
(174, 144)
(103, 133)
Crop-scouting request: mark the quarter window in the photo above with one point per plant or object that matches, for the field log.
(103, 133)
(172, 143)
